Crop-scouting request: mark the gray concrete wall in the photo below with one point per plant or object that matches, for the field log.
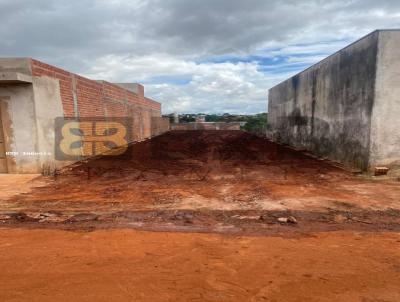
(327, 108)
(48, 106)
(29, 108)
(18, 117)
(385, 127)
(134, 87)
(22, 65)
(28, 115)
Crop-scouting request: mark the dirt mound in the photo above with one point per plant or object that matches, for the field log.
(210, 172)
(205, 154)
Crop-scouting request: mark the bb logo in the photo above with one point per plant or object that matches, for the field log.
(88, 137)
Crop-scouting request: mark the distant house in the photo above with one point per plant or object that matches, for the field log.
(201, 118)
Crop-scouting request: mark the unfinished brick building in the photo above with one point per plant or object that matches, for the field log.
(33, 94)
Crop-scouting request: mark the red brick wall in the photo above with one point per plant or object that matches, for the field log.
(40, 69)
(89, 96)
(100, 98)
(159, 125)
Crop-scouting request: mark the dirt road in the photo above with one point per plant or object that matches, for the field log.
(127, 265)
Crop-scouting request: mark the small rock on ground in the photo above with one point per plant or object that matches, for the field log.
(289, 219)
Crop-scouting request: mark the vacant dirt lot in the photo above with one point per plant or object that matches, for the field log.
(128, 265)
(201, 216)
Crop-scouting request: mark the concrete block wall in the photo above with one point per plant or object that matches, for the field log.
(345, 107)
(385, 120)
(33, 94)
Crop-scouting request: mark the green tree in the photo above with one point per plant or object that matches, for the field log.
(256, 124)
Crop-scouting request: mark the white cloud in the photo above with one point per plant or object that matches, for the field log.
(214, 87)
(139, 40)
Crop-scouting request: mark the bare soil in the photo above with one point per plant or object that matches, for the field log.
(129, 265)
(207, 181)
(201, 216)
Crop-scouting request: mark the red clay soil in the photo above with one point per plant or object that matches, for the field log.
(128, 265)
(216, 200)
(222, 181)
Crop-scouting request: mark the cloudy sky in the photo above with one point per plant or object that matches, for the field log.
(211, 56)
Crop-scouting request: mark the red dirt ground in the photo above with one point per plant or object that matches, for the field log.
(215, 198)
(226, 167)
(128, 265)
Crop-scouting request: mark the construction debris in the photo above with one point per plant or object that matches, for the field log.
(380, 171)
(289, 219)
(4, 217)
